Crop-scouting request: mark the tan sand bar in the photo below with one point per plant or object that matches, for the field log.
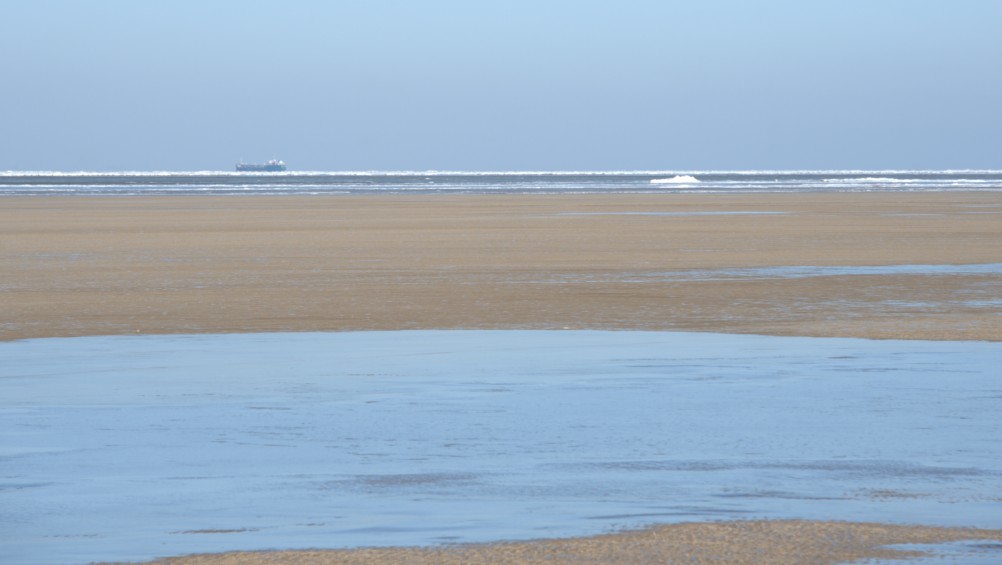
(116, 265)
(720, 543)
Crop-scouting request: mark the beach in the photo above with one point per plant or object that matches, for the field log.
(733, 543)
(895, 265)
(97, 266)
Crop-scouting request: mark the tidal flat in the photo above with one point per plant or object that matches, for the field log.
(192, 373)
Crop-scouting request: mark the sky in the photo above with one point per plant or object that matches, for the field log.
(107, 85)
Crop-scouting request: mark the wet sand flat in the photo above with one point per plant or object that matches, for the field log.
(732, 543)
(107, 265)
(719, 263)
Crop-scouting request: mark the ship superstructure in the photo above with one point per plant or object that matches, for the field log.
(270, 167)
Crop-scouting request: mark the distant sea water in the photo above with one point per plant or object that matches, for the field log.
(43, 183)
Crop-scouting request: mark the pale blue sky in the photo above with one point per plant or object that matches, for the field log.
(514, 85)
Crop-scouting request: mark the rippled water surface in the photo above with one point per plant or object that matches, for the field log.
(134, 447)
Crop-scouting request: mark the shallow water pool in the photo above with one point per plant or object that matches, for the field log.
(131, 447)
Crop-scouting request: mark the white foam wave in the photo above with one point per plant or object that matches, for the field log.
(859, 180)
(677, 179)
(432, 172)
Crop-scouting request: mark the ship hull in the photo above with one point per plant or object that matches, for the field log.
(260, 168)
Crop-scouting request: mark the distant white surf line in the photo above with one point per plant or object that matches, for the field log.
(677, 179)
(858, 180)
(436, 172)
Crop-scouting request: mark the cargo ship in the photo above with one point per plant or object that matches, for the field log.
(269, 167)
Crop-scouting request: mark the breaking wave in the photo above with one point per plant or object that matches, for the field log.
(858, 180)
(677, 179)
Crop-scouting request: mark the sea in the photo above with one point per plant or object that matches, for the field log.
(42, 183)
